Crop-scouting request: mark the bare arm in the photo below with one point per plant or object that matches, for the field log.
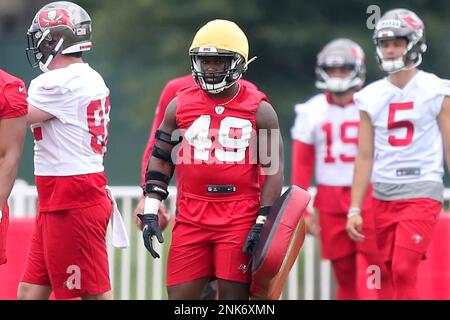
(361, 176)
(444, 125)
(270, 153)
(36, 115)
(363, 162)
(12, 133)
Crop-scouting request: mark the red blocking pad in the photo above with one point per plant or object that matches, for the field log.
(281, 240)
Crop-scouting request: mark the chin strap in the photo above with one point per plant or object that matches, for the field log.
(404, 68)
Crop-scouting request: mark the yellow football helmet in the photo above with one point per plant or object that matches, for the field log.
(219, 38)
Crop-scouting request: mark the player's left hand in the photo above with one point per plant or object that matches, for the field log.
(354, 228)
(151, 228)
(163, 215)
(252, 242)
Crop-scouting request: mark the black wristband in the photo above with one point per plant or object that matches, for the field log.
(148, 218)
(151, 187)
(264, 211)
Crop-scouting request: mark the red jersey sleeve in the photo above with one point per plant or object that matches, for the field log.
(13, 101)
(302, 165)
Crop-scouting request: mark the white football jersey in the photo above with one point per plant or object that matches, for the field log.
(408, 144)
(74, 141)
(333, 130)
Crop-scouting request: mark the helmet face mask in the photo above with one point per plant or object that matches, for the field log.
(343, 54)
(216, 81)
(219, 38)
(58, 27)
(404, 24)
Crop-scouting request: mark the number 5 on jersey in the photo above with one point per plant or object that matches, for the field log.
(405, 124)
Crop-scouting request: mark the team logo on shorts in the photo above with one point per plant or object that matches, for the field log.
(417, 238)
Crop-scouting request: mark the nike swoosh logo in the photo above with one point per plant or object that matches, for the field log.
(21, 89)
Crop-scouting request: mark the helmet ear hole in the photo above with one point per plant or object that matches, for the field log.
(423, 47)
(412, 56)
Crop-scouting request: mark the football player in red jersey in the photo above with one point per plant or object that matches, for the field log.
(168, 93)
(220, 206)
(13, 109)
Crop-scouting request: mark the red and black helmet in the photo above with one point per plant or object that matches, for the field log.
(58, 27)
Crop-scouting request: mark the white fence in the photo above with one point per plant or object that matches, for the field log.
(136, 275)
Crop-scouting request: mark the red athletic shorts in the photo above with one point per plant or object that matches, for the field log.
(405, 223)
(3, 231)
(68, 251)
(335, 242)
(214, 251)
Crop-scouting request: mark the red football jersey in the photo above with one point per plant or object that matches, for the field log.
(217, 159)
(13, 104)
(169, 92)
(13, 95)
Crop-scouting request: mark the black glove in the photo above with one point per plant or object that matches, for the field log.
(252, 242)
(151, 228)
